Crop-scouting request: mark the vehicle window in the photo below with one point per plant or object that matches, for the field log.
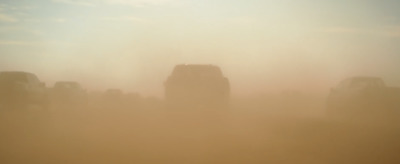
(180, 71)
(33, 79)
(67, 85)
(360, 84)
(206, 72)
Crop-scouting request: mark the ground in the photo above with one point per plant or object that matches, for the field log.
(150, 135)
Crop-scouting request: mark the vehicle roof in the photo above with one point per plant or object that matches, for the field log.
(197, 68)
(197, 65)
(356, 79)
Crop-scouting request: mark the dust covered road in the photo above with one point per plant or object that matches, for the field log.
(123, 135)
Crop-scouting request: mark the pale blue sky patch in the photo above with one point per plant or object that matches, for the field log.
(75, 2)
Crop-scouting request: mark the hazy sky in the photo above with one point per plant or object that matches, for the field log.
(261, 45)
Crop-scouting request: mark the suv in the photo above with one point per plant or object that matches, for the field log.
(69, 92)
(113, 95)
(20, 89)
(198, 85)
(357, 95)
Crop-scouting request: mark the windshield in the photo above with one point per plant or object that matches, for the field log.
(67, 85)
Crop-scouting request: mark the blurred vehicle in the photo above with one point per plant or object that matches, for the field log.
(197, 85)
(113, 95)
(69, 93)
(357, 96)
(20, 89)
(133, 98)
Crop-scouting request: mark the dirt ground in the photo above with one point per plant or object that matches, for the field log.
(150, 134)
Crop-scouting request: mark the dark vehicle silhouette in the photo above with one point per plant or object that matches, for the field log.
(18, 90)
(113, 96)
(114, 93)
(133, 99)
(69, 93)
(362, 96)
(197, 85)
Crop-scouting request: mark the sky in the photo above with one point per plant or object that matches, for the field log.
(261, 45)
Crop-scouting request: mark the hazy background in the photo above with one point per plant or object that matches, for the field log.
(268, 50)
(261, 45)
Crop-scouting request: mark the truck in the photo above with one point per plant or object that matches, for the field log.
(363, 96)
(19, 90)
(197, 85)
(69, 93)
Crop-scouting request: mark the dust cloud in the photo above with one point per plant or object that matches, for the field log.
(198, 120)
(188, 81)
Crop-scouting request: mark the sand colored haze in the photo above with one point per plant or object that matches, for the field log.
(283, 60)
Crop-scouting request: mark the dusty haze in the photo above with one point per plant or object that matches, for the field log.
(134, 44)
(283, 60)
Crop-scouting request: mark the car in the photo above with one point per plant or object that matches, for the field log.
(69, 93)
(197, 85)
(19, 89)
(114, 93)
(113, 96)
(133, 99)
(362, 96)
